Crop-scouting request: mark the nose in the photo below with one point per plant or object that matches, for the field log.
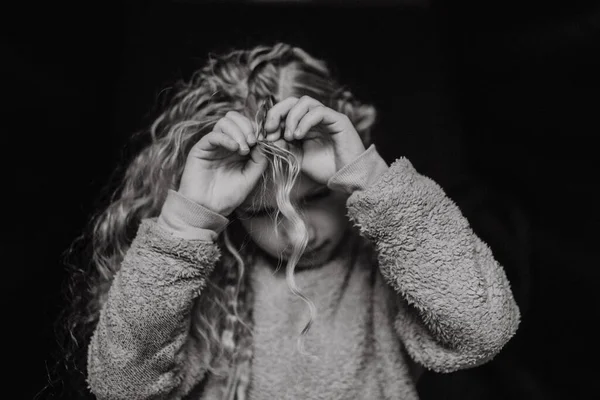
(311, 231)
(311, 236)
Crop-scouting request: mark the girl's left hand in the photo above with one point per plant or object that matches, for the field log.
(327, 139)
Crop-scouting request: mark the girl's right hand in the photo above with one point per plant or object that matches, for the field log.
(223, 167)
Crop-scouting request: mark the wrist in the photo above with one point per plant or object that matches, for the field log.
(359, 174)
(186, 218)
(348, 147)
(209, 205)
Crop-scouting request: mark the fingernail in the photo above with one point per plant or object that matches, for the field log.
(271, 137)
(296, 133)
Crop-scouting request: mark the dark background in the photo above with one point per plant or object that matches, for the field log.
(496, 102)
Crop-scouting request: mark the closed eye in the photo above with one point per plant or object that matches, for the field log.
(257, 213)
(268, 211)
(319, 195)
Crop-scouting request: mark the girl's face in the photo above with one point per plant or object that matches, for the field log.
(323, 212)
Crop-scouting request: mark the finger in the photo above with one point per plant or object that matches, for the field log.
(276, 114)
(219, 139)
(272, 137)
(244, 124)
(230, 128)
(298, 111)
(317, 115)
(259, 159)
(255, 167)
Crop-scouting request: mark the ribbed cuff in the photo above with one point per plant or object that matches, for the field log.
(360, 173)
(189, 220)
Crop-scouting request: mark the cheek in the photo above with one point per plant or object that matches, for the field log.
(330, 218)
(328, 223)
(337, 205)
(262, 232)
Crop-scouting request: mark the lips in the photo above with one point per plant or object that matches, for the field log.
(309, 252)
(314, 249)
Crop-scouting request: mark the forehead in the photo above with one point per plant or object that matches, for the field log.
(263, 194)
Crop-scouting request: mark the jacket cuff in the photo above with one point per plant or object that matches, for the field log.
(360, 173)
(189, 220)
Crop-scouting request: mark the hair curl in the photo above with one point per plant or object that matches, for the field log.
(242, 81)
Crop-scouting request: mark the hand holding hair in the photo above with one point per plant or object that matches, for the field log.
(327, 139)
(218, 173)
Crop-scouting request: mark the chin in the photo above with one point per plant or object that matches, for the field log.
(306, 261)
(312, 261)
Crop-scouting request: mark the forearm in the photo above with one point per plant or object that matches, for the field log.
(433, 260)
(138, 350)
(186, 219)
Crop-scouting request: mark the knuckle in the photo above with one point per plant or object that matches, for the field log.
(272, 114)
(227, 123)
(291, 117)
(217, 138)
(234, 130)
(246, 121)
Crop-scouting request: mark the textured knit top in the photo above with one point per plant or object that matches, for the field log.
(433, 297)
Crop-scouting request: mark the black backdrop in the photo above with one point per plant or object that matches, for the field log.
(499, 104)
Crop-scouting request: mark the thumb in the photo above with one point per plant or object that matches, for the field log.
(257, 163)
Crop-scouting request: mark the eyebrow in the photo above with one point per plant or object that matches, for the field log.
(311, 193)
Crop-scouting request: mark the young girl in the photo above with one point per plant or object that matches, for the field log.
(261, 160)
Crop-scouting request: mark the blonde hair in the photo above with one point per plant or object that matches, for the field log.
(241, 80)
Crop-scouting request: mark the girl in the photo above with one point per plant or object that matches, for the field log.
(262, 158)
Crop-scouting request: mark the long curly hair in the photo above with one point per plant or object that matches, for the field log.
(242, 81)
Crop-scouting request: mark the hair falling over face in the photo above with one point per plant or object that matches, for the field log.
(236, 332)
(246, 81)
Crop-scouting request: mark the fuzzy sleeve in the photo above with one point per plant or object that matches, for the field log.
(455, 308)
(141, 348)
